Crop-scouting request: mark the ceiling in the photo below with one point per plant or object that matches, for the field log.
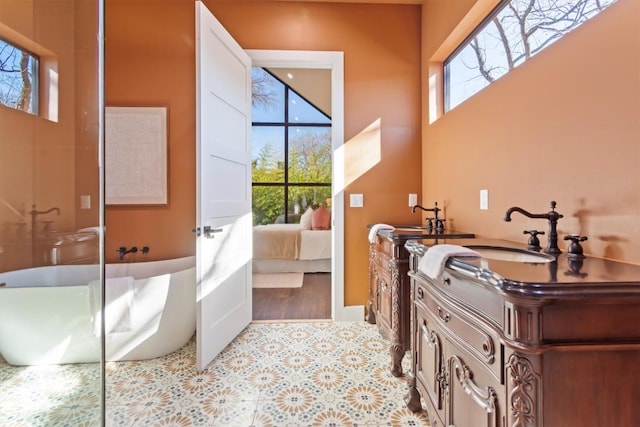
(312, 84)
(364, 1)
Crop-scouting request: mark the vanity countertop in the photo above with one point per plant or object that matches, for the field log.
(565, 276)
(415, 232)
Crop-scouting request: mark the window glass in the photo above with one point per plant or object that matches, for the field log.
(291, 152)
(267, 97)
(303, 197)
(267, 154)
(18, 78)
(513, 33)
(309, 154)
(300, 111)
(267, 204)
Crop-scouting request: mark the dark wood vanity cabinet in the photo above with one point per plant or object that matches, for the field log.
(516, 354)
(389, 288)
(388, 305)
(458, 366)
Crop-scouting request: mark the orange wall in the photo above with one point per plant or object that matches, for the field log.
(38, 156)
(564, 126)
(150, 61)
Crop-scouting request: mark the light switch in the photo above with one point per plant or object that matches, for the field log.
(357, 200)
(484, 199)
(85, 202)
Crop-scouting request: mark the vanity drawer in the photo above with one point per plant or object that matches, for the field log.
(462, 329)
(483, 300)
(383, 245)
(381, 261)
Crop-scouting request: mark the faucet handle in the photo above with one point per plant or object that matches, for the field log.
(533, 244)
(575, 248)
(429, 224)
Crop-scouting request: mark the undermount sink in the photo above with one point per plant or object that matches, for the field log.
(512, 254)
(409, 227)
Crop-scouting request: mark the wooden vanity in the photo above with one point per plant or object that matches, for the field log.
(506, 344)
(389, 296)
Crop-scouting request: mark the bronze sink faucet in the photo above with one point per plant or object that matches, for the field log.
(552, 216)
(438, 221)
(34, 214)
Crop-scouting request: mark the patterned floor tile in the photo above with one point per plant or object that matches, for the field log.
(273, 374)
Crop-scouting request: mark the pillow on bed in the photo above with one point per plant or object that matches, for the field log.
(305, 219)
(321, 219)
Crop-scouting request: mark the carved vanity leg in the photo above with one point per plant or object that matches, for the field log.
(371, 316)
(397, 346)
(412, 398)
(397, 353)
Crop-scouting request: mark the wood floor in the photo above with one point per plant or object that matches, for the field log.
(311, 301)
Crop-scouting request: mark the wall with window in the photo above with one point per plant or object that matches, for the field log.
(42, 157)
(564, 126)
(150, 61)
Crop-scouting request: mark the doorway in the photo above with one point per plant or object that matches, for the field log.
(291, 185)
(334, 62)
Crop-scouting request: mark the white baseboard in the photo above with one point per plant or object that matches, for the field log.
(352, 313)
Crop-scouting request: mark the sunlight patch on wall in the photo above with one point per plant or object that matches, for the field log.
(362, 152)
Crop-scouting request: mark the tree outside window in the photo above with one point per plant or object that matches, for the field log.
(514, 32)
(291, 152)
(18, 78)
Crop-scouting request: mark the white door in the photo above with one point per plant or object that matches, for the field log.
(223, 187)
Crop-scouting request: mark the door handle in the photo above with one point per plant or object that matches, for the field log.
(209, 232)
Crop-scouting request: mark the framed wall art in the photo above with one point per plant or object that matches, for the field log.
(135, 155)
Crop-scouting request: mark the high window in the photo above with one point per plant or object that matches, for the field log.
(291, 152)
(514, 32)
(18, 78)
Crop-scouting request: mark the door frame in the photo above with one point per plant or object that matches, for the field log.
(334, 61)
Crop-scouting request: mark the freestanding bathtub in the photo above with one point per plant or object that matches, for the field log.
(46, 314)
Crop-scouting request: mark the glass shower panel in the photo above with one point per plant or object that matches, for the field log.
(50, 214)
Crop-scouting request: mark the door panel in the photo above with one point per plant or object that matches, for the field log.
(223, 187)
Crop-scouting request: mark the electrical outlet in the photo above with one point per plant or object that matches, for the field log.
(413, 200)
(484, 199)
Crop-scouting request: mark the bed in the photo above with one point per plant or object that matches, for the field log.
(284, 248)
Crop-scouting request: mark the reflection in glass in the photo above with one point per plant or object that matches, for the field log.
(50, 357)
(18, 78)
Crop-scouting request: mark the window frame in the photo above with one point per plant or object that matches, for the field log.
(481, 26)
(286, 125)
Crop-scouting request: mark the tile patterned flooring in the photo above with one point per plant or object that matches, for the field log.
(272, 374)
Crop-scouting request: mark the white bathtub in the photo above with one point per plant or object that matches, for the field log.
(46, 315)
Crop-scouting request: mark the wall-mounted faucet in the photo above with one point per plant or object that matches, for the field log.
(34, 214)
(552, 216)
(122, 250)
